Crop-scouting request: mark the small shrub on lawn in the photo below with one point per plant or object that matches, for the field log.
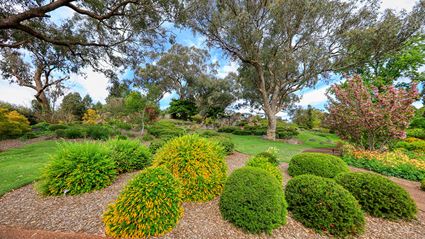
(225, 142)
(150, 205)
(323, 165)
(263, 163)
(228, 129)
(129, 155)
(54, 127)
(73, 132)
(286, 133)
(78, 168)
(253, 200)
(209, 134)
(379, 196)
(98, 132)
(165, 129)
(197, 162)
(322, 204)
(271, 154)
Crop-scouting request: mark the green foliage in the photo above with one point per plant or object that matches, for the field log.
(165, 129)
(281, 132)
(253, 200)
(129, 155)
(322, 204)
(416, 133)
(209, 133)
(156, 144)
(12, 124)
(182, 109)
(263, 163)
(42, 126)
(225, 142)
(73, 132)
(198, 163)
(98, 132)
(228, 129)
(272, 158)
(78, 168)
(379, 196)
(416, 145)
(323, 165)
(55, 127)
(423, 184)
(150, 205)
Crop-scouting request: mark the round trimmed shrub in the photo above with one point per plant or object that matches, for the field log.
(78, 168)
(322, 204)
(225, 142)
(129, 155)
(323, 165)
(379, 196)
(150, 205)
(197, 162)
(261, 162)
(253, 200)
(272, 158)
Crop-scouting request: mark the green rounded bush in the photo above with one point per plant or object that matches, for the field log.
(129, 155)
(253, 200)
(156, 144)
(197, 162)
(150, 205)
(322, 204)
(379, 196)
(73, 132)
(225, 142)
(262, 162)
(54, 127)
(78, 168)
(99, 132)
(272, 158)
(323, 165)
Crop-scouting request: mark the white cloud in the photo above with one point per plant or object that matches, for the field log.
(16, 94)
(398, 5)
(313, 97)
(232, 66)
(95, 84)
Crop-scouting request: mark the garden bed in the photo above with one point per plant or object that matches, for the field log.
(23, 208)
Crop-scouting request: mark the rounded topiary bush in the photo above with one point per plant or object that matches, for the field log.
(197, 162)
(261, 162)
(322, 204)
(323, 165)
(379, 196)
(150, 205)
(272, 158)
(253, 200)
(225, 142)
(78, 168)
(129, 155)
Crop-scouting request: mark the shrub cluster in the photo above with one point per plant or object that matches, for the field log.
(78, 168)
(413, 146)
(322, 204)
(165, 129)
(263, 163)
(156, 144)
(225, 142)
(129, 155)
(197, 162)
(82, 131)
(281, 132)
(271, 155)
(379, 196)
(416, 133)
(323, 165)
(150, 205)
(253, 200)
(12, 124)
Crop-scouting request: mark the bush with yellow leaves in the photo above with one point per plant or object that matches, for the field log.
(198, 163)
(91, 117)
(12, 124)
(150, 205)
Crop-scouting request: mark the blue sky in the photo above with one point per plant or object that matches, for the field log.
(96, 84)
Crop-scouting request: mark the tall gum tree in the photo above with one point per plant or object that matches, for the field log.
(286, 44)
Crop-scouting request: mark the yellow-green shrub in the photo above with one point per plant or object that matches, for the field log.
(197, 162)
(12, 124)
(150, 205)
(263, 162)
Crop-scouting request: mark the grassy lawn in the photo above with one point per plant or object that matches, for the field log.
(21, 166)
(255, 144)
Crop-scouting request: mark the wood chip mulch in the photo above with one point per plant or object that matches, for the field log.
(23, 213)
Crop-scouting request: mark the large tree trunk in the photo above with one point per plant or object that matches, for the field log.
(41, 95)
(271, 129)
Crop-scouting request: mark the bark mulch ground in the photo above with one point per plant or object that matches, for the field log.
(24, 214)
(16, 143)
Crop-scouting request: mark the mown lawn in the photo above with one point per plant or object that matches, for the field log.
(256, 144)
(21, 166)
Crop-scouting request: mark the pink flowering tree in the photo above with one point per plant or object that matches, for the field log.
(367, 117)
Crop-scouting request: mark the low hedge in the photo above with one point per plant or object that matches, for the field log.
(71, 133)
(253, 200)
(197, 162)
(325, 206)
(379, 196)
(77, 168)
(150, 205)
(129, 155)
(323, 165)
(263, 163)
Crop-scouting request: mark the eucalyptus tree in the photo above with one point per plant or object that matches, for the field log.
(285, 44)
(177, 70)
